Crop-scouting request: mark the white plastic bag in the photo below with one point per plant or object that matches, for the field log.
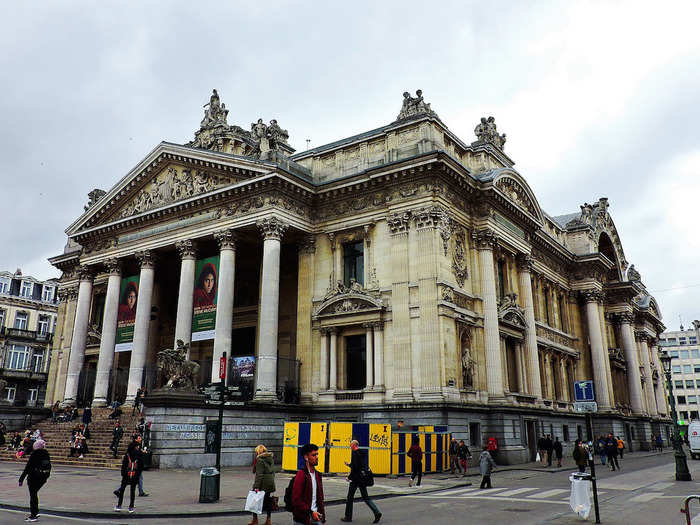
(254, 501)
(581, 496)
(537, 458)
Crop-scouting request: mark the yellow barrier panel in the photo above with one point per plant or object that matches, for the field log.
(339, 447)
(380, 448)
(289, 446)
(433, 440)
(297, 435)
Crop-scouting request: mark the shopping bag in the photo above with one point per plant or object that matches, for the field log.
(537, 458)
(254, 501)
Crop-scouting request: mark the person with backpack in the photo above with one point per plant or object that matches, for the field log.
(131, 471)
(416, 455)
(263, 468)
(464, 455)
(304, 494)
(486, 466)
(37, 471)
(359, 477)
(454, 457)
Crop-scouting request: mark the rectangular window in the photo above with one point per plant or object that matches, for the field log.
(692, 400)
(47, 294)
(671, 340)
(694, 341)
(9, 394)
(687, 369)
(681, 341)
(693, 415)
(673, 353)
(21, 320)
(697, 383)
(475, 434)
(565, 433)
(27, 288)
(501, 278)
(676, 369)
(696, 368)
(681, 400)
(579, 432)
(689, 383)
(354, 263)
(43, 324)
(4, 285)
(685, 354)
(17, 358)
(32, 395)
(37, 361)
(678, 384)
(684, 415)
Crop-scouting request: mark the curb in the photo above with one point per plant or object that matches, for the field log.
(48, 511)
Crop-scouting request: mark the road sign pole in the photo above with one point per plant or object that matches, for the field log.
(589, 428)
(219, 430)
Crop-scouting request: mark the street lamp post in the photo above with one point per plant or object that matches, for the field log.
(682, 472)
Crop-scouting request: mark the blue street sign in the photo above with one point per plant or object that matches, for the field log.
(583, 391)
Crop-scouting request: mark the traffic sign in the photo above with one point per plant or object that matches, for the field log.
(583, 391)
(586, 406)
(222, 367)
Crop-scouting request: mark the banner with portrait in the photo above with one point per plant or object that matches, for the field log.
(206, 286)
(126, 316)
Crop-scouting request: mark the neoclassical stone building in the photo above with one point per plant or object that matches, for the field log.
(401, 273)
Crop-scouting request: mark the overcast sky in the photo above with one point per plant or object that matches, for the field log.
(597, 99)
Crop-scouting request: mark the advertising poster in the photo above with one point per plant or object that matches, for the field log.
(243, 366)
(206, 283)
(128, 296)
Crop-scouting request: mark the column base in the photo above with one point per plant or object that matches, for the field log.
(99, 403)
(430, 395)
(264, 396)
(403, 397)
(67, 403)
(326, 396)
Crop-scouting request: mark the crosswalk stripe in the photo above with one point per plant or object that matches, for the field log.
(547, 493)
(513, 492)
(457, 491)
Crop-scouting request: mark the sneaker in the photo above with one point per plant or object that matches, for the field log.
(80, 457)
(116, 493)
(410, 482)
(117, 508)
(377, 517)
(31, 518)
(144, 495)
(131, 510)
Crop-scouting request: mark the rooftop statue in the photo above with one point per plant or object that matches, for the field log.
(486, 132)
(413, 106)
(633, 274)
(93, 197)
(215, 112)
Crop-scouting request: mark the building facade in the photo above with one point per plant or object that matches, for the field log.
(682, 346)
(401, 273)
(28, 314)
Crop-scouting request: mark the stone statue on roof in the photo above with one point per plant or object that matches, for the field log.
(413, 106)
(633, 274)
(486, 132)
(277, 134)
(215, 112)
(258, 130)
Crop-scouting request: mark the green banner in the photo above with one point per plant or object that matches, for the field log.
(128, 297)
(204, 298)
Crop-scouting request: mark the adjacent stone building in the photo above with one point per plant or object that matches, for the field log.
(401, 273)
(684, 349)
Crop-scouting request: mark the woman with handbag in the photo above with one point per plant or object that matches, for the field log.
(263, 467)
(360, 477)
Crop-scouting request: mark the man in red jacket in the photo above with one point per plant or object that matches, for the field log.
(307, 490)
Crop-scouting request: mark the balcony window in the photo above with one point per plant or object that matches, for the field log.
(4, 285)
(27, 288)
(9, 394)
(21, 320)
(18, 357)
(354, 263)
(43, 324)
(47, 294)
(37, 361)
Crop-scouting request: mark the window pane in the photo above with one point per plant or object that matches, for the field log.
(678, 384)
(692, 400)
(676, 369)
(2, 318)
(687, 369)
(353, 263)
(673, 353)
(685, 354)
(690, 383)
(696, 368)
(681, 400)
(21, 320)
(4, 285)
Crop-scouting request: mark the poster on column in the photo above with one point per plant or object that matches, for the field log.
(126, 317)
(204, 298)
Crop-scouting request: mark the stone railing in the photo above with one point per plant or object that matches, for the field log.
(555, 339)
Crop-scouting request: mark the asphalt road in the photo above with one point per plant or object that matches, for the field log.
(643, 492)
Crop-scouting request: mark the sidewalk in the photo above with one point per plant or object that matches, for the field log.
(87, 492)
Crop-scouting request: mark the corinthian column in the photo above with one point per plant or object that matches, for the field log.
(649, 391)
(183, 320)
(661, 397)
(142, 324)
(598, 353)
(379, 354)
(224, 299)
(485, 241)
(533, 363)
(266, 370)
(634, 380)
(369, 356)
(109, 333)
(324, 360)
(80, 329)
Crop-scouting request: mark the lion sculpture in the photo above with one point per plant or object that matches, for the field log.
(178, 371)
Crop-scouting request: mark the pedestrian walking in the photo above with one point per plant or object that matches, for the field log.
(454, 456)
(416, 455)
(660, 443)
(87, 418)
(549, 448)
(463, 454)
(486, 466)
(558, 450)
(37, 471)
(620, 447)
(580, 456)
(263, 468)
(358, 479)
(602, 447)
(541, 450)
(117, 435)
(611, 449)
(136, 439)
(131, 470)
(307, 490)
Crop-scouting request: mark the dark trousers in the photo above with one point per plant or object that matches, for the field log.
(365, 497)
(622, 452)
(34, 487)
(486, 482)
(549, 458)
(613, 462)
(582, 468)
(417, 470)
(454, 464)
(114, 447)
(132, 493)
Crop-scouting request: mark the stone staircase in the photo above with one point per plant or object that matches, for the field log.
(57, 437)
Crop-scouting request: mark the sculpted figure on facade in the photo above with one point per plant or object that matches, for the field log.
(459, 257)
(215, 112)
(413, 106)
(94, 196)
(178, 371)
(633, 274)
(486, 132)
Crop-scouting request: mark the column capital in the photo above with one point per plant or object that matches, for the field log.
(368, 326)
(113, 265)
(398, 222)
(430, 217)
(272, 228)
(641, 335)
(226, 239)
(378, 326)
(67, 294)
(525, 262)
(308, 244)
(592, 296)
(187, 248)
(86, 273)
(484, 239)
(146, 258)
(622, 318)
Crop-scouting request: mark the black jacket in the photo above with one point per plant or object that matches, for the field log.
(30, 469)
(358, 463)
(135, 457)
(557, 448)
(463, 452)
(117, 433)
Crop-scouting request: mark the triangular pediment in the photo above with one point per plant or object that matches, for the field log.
(348, 303)
(169, 174)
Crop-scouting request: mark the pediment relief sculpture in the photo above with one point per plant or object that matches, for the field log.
(171, 185)
(515, 191)
(341, 299)
(510, 311)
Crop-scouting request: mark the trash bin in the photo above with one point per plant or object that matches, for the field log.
(581, 499)
(209, 485)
